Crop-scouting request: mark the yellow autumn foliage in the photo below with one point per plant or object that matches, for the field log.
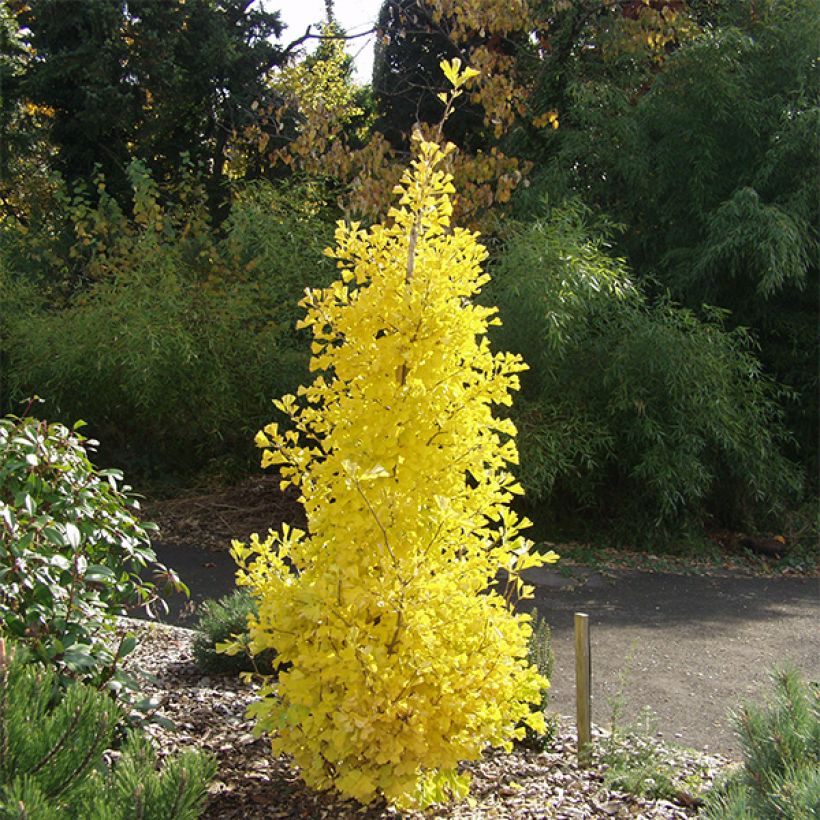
(400, 658)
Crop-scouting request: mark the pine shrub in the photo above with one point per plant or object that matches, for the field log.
(404, 660)
(780, 776)
(226, 620)
(54, 759)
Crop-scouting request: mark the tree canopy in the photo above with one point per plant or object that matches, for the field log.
(641, 171)
(159, 82)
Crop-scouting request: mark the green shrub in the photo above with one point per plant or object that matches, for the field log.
(702, 155)
(780, 776)
(277, 236)
(226, 620)
(71, 551)
(167, 338)
(542, 657)
(641, 416)
(52, 765)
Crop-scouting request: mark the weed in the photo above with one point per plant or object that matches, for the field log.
(637, 763)
(542, 657)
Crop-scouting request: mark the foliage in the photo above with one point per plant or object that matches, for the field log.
(53, 764)
(73, 73)
(688, 122)
(226, 620)
(780, 776)
(492, 36)
(703, 158)
(405, 477)
(72, 551)
(316, 108)
(407, 77)
(144, 80)
(319, 139)
(141, 297)
(636, 764)
(165, 337)
(634, 761)
(12, 62)
(322, 84)
(744, 213)
(671, 419)
(542, 657)
(521, 50)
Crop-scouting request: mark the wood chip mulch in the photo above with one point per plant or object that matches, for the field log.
(208, 714)
(212, 519)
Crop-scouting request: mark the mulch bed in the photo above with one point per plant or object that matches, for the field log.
(208, 714)
(211, 519)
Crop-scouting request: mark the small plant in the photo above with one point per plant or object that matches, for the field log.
(780, 776)
(636, 764)
(634, 761)
(224, 620)
(542, 657)
(53, 764)
(71, 551)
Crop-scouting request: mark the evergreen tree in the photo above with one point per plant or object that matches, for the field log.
(146, 80)
(407, 77)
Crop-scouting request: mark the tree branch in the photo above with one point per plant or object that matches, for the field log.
(308, 35)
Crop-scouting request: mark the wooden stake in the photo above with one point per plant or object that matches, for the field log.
(583, 681)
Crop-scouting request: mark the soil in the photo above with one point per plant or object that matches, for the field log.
(691, 648)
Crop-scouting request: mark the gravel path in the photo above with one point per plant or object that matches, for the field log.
(689, 647)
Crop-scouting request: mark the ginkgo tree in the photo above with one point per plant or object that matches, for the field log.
(398, 655)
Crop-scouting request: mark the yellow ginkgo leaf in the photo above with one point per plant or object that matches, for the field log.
(397, 657)
(451, 69)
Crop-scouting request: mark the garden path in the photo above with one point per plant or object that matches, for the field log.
(690, 647)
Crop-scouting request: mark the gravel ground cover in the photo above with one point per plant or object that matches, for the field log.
(208, 713)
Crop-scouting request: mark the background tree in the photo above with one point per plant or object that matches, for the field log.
(76, 69)
(702, 157)
(687, 124)
(12, 62)
(201, 67)
(146, 80)
(407, 77)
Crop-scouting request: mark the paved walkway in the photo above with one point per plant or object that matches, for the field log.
(689, 647)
